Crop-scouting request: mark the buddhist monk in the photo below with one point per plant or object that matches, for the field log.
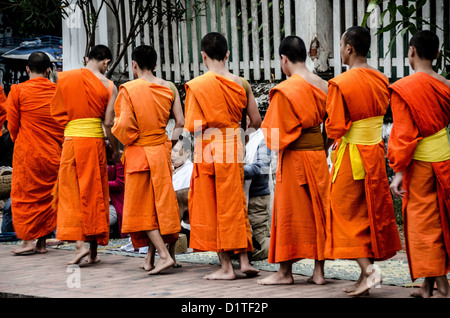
(142, 110)
(292, 127)
(215, 103)
(418, 152)
(37, 151)
(3, 108)
(360, 221)
(83, 102)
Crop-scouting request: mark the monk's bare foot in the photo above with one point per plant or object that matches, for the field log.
(92, 260)
(147, 265)
(365, 285)
(249, 270)
(161, 265)
(92, 257)
(318, 280)
(277, 279)
(221, 274)
(41, 246)
(351, 288)
(79, 255)
(27, 247)
(426, 290)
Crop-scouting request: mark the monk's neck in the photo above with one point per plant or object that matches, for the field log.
(424, 66)
(358, 62)
(147, 76)
(217, 67)
(94, 69)
(299, 69)
(35, 75)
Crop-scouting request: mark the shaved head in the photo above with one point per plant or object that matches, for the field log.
(39, 62)
(293, 48)
(359, 38)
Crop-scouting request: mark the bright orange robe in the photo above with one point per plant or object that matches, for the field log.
(37, 151)
(421, 107)
(2, 108)
(217, 204)
(83, 192)
(302, 177)
(361, 221)
(142, 112)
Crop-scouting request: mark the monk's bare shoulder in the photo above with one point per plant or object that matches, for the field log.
(442, 79)
(317, 81)
(235, 78)
(162, 82)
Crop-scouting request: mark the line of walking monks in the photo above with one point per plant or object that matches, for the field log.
(60, 165)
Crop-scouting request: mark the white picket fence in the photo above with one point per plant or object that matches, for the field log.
(254, 29)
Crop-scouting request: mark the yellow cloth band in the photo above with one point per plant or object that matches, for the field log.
(362, 132)
(434, 148)
(85, 127)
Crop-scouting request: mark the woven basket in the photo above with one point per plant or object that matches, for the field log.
(181, 244)
(5, 181)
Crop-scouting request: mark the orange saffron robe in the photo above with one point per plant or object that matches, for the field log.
(302, 177)
(421, 108)
(37, 151)
(217, 205)
(361, 220)
(83, 192)
(142, 112)
(3, 108)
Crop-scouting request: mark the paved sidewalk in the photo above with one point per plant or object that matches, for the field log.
(119, 276)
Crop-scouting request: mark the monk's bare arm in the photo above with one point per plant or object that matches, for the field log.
(253, 111)
(109, 123)
(177, 113)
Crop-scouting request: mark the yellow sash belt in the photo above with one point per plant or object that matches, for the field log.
(362, 132)
(434, 148)
(84, 127)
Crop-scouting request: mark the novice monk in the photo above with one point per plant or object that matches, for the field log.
(84, 99)
(361, 222)
(215, 102)
(143, 108)
(292, 127)
(38, 139)
(419, 153)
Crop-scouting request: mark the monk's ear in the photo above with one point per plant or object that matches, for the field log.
(437, 55)
(412, 51)
(28, 69)
(227, 55)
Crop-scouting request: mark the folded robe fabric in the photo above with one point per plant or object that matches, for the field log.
(37, 152)
(302, 177)
(360, 221)
(142, 112)
(83, 194)
(217, 205)
(421, 109)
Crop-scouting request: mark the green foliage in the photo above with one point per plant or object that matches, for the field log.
(29, 17)
(409, 22)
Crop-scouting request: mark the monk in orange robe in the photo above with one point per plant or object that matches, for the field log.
(419, 153)
(292, 127)
(361, 221)
(37, 151)
(2, 108)
(142, 108)
(215, 102)
(83, 101)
